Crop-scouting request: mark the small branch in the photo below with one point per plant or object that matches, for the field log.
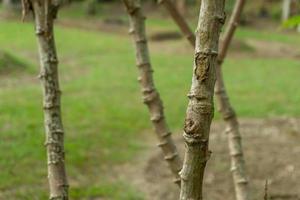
(266, 197)
(150, 94)
(232, 25)
(44, 14)
(179, 20)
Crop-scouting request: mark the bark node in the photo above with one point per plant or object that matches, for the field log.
(44, 14)
(150, 95)
(200, 108)
(238, 167)
(227, 111)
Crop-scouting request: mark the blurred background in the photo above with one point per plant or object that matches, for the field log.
(110, 145)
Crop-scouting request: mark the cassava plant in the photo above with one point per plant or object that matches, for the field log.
(200, 107)
(179, 20)
(150, 95)
(44, 12)
(225, 108)
(238, 168)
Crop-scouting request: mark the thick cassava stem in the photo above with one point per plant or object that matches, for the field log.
(44, 13)
(178, 18)
(227, 111)
(150, 95)
(200, 108)
(234, 137)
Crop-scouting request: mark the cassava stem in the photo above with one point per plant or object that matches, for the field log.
(44, 13)
(238, 167)
(200, 108)
(179, 20)
(150, 94)
(224, 106)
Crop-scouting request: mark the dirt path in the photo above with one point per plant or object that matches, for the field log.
(272, 149)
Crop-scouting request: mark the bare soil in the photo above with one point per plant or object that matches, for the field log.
(271, 148)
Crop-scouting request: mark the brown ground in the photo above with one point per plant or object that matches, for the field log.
(272, 152)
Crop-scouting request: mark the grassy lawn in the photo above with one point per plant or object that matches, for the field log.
(103, 115)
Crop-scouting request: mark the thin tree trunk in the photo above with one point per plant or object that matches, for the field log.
(234, 137)
(200, 108)
(150, 95)
(181, 6)
(45, 13)
(179, 19)
(286, 9)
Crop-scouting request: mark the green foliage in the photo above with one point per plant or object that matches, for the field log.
(292, 22)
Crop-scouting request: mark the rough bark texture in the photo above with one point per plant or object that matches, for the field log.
(150, 95)
(200, 108)
(179, 19)
(232, 127)
(45, 13)
(227, 111)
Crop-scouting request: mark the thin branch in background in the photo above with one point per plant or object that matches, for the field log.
(151, 96)
(266, 191)
(224, 106)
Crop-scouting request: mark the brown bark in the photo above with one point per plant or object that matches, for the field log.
(181, 6)
(225, 108)
(45, 13)
(231, 27)
(200, 108)
(150, 95)
(179, 19)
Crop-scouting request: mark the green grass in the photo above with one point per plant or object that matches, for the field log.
(268, 35)
(11, 64)
(112, 190)
(103, 115)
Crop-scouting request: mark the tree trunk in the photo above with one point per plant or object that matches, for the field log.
(150, 95)
(179, 19)
(286, 9)
(200, 108)
(45, 13)
(181, 6)
(234, 137)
